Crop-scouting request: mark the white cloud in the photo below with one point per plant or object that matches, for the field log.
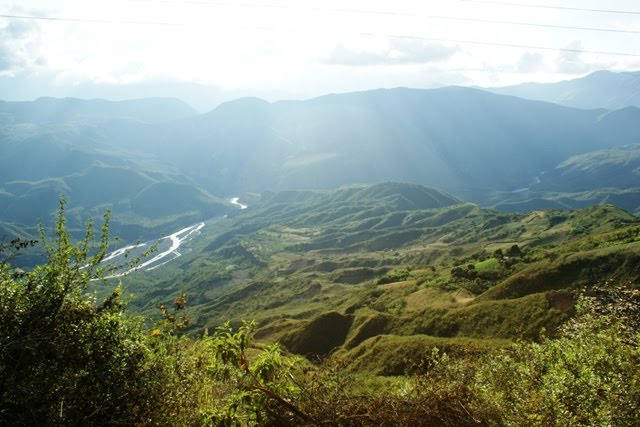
(530, 62)
(572, 62)
(301, 47)
(397, 52)
(578, 62)
(19, 46)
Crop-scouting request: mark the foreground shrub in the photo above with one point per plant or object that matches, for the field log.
(64, 358)
(588, 376)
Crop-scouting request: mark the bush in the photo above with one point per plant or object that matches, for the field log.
(64, 358)
(399, 275)
(588, 376)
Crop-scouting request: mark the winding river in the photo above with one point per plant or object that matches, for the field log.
(234, 201)
(168, 247)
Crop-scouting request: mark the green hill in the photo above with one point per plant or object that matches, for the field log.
(615, 167)
(330, 271)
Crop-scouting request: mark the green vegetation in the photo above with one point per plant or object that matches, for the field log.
(399, 275)
(607, 176)
(68, 359)
(328, 273)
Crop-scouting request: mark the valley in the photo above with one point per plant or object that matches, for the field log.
(160, 172)
(451, 213)
(143, 256)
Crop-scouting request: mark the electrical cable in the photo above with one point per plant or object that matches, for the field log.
(541, 6)
(367, 34)
(381, 12)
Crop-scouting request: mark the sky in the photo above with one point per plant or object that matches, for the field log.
(207, 51)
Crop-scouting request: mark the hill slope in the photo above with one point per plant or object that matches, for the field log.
(350, 266)
(597, 177)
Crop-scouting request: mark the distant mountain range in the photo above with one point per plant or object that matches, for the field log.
(65, 110)
(602, 89)
(466, 141)
(158, 164)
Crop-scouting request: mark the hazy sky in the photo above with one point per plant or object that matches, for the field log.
(302, 48)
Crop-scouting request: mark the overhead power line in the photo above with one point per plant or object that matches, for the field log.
(534, 24)
(389, 13)
(94, 21)
(275, 6)
(541, 6)
(366, 34)
(513, 45)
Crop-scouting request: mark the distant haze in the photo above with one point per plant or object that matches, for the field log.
(602, 89)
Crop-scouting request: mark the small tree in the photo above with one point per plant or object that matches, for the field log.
(514, 251)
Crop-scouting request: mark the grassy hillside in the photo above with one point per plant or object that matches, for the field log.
(408, 345)
(343, 270)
